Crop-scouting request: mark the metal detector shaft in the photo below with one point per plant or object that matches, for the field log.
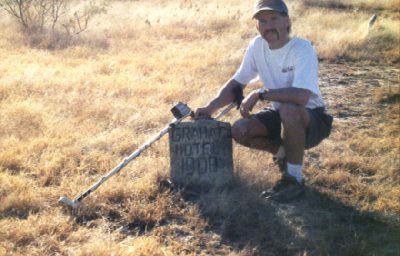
(135, 154)
(225, 111)
(237, 100)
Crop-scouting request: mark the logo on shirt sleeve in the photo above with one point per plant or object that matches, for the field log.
(288, 69)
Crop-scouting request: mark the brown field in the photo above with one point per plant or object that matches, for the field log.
(70, 110)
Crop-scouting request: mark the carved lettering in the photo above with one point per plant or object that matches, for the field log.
(213, 164)
(199, 166)
(188, 150)
(201, 152)
(189, 166)
(202, 165)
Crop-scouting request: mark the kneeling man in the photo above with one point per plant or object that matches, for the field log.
(296, 119)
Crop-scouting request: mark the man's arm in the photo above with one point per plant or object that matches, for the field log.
(293, 95)
(298, 96)
(224, 97)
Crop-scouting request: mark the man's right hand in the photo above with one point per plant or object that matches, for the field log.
(231, 91)
(204, 112)
(248, 103)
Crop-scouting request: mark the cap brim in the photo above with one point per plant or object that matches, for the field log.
(264, 9)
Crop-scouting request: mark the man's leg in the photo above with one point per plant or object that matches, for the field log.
(295, 120)
(250, 132)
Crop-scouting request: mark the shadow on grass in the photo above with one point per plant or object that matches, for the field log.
(315, 224)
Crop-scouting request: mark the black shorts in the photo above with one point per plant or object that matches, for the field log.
(319, 128)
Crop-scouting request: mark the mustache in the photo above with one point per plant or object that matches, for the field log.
(272, 31)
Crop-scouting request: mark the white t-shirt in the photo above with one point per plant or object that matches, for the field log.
(293, 65)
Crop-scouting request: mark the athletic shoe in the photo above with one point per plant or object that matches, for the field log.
(282, 165)
(285, 190)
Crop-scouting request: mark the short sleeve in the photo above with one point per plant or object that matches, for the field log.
(247, 70)
(306, 68)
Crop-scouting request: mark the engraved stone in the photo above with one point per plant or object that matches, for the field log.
(201, 153)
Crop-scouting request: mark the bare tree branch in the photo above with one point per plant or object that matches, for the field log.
(40, 15)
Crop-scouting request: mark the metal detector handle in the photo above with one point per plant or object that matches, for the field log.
(225, 111)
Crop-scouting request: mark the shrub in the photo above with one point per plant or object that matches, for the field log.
(50, 18)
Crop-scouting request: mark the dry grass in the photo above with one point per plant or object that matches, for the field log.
(70, 114)
(392, 5)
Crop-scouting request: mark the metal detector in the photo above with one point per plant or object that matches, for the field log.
(180, 112)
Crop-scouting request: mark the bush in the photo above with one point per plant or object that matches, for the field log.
(42, 19)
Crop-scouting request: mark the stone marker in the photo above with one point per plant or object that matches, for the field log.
(201, 153)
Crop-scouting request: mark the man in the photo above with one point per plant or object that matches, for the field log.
(288, 68)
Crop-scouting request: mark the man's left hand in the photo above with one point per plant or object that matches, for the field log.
(248, 103)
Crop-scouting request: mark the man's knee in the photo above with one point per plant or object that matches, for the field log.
(291, 114)
(240, 131)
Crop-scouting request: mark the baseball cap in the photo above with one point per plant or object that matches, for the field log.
(270, 5)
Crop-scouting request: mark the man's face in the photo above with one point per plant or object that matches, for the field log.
(272, 26)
